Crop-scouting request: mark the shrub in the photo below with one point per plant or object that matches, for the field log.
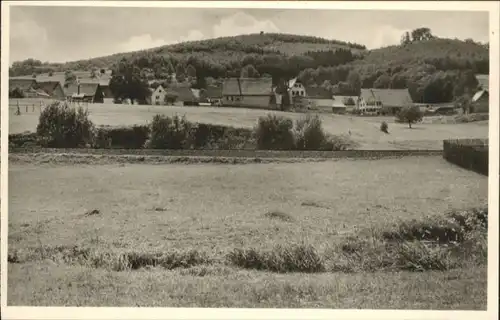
(170, 133)
(471, 154)
(384, 127)
(220, 137)
(338, 143)
(61, 126)
(309, 133)
(274, 133)
(20, 140)
(123, 137)
(411, 114)
(292, 258)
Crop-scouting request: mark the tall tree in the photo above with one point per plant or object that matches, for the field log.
(249, 71)
(354, 81)
(127, 82)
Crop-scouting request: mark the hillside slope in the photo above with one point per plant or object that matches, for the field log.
(223, 50)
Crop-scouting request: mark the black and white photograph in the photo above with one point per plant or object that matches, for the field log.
(249, 156)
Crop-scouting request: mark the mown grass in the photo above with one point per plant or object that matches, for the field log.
(246, 225)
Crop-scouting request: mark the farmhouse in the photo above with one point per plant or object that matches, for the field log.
(158, 96)
(214, 94)
(342, 104)
(296, 89)
(247, 92)
(22, 84)
(388, 101)
(188, 96)
(85, 92)
(53, 88)
(319, 98)
(480, 102)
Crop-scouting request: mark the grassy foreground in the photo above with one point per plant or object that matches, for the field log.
(214, 210)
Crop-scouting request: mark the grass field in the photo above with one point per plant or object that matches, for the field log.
(363, 130)
(216, 208)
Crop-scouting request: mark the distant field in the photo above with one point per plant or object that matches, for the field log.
(363, 130)
(215, 208)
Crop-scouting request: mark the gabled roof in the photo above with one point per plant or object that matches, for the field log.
(183, 93)
(479, 95)
(89, 89)
(247, 86)
(318, 93)
(49, 86)
(23, 84)
(388, 97)
(483, 80)
(291, 83)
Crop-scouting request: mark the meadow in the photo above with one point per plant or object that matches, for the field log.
(215, 209)
(364, 130)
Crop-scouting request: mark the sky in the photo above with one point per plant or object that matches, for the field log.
(59, 34)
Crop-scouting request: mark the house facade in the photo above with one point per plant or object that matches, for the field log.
(248, 92)
(158, 96)
(85, 92)
(296, 89)
(385, 101)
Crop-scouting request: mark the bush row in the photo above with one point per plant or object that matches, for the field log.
(471, 154)
(61, 126)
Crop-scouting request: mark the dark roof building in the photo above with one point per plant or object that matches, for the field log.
(247, 87)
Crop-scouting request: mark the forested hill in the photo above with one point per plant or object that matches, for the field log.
(433, 69)
(223, 51)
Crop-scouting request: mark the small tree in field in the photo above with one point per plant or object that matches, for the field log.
(411, 114)
(61, 126)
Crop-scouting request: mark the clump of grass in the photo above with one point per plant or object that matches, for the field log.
(117, 261)
(455, 240)
(282, 259)
(203, 270)
(283, 216)
(437, 230)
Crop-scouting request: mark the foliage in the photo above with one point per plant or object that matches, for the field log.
(61, 126)
(169, 133)
(384, 127)
(409, 114)
(123, 137)
(274, 133)
(309, 133)
(126, 83)
(16, 93)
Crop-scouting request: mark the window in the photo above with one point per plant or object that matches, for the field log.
(157, 97)
(159, 90)
(302, 93)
